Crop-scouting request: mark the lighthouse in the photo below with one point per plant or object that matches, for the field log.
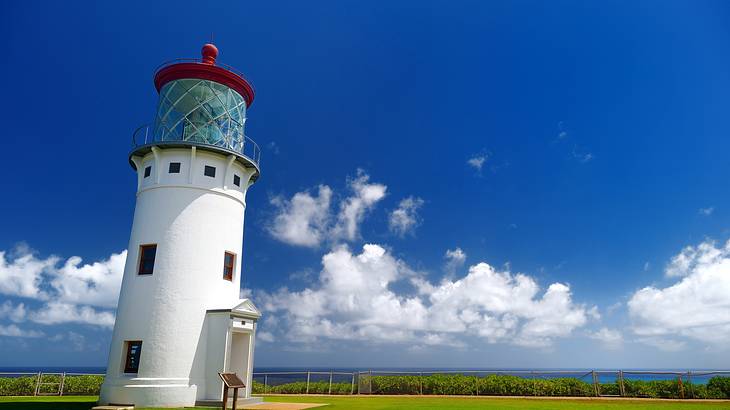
(180, 318)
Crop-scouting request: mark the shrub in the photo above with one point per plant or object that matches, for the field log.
(318, 387)
(718, 388)
(664, 389)
(18, 386)
(86, 385)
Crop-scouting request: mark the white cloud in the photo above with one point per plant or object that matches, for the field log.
(15, 331)
(354, 300)
(477, 162)
(695, 307)
(581, 155)
(405, 218)
(610, 338)
(706, 211)
(264, 336)
(75, 340)
(303, 220)
(667, 345)
(16, 314)
(353, 209)
(70, 291)
(307, 220)
(455, 259)
(58, 312)
(22, 276)
(95, 284)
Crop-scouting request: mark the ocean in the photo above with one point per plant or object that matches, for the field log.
(297, 373)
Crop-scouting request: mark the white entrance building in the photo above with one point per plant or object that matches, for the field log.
(180, 318)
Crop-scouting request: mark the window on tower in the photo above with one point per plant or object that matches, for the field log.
(147, 259)
(236, 180)
(174, 168)
(147, 171)
(229, 261)
(209, 171)
(131, 361)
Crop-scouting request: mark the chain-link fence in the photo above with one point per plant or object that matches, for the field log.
(557, 383)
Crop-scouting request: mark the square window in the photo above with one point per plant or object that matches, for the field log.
(131, 361)
(147, 259)
(236, 180)
(174, 168)
(209, 171)
(147, 171)
(229, 261)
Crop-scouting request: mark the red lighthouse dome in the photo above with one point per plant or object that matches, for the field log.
(206, 69)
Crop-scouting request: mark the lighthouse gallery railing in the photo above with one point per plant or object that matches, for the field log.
(247, 147)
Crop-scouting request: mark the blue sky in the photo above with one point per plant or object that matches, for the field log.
(571, 143)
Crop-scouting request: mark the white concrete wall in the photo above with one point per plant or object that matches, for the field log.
(193, 219)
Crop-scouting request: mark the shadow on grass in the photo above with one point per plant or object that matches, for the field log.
(69, 405)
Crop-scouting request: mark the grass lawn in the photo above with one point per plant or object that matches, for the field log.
(375, 403)
(434, 403)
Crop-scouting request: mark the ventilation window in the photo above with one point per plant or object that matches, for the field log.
(209, 171)
(147, 259)
(174, 168)
(147, 171)
(236, 180)
(229, 261)
(134, 350)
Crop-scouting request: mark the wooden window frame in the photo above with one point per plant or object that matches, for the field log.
(127, 356)
(142, 249)
(232, 266)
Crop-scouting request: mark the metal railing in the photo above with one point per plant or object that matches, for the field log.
(200, 61)
(563, 383)
(49, 384)
(567, 383)
(243, 145)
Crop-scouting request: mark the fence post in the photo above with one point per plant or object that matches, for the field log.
(681, 386)
(37, 384)
(352, 389)
(330, 391)
(307, 382)
(266, 382)
(689, 380)
(370, 381)
(420, 381)
(60, 388)
(621, 388)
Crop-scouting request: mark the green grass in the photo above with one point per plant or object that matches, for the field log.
(47, 403)
(433, 403)
(379, 403)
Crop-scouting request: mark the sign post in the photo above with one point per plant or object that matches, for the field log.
(231, 381)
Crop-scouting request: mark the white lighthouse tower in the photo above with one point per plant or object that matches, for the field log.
(180, 318)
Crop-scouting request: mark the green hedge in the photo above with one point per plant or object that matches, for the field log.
(506, 385)
(319, 387)
(437, 384)
(86, 385)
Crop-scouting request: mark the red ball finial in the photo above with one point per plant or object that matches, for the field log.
(210, 52)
